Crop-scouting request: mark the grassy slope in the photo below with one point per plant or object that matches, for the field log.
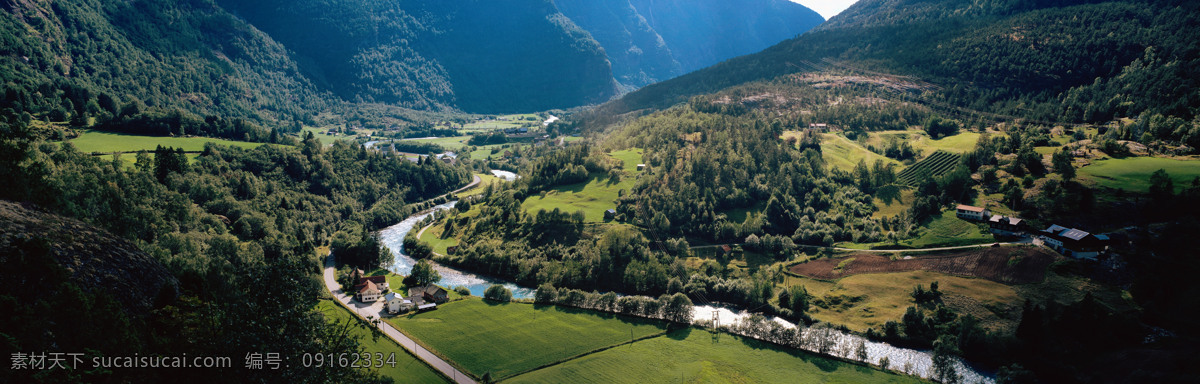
(506, 339)
(921, 141)
(696, 356)
(450, 143)
(407, 370)
(888, 295)
(1133, 174)
(594, 196)
(948, 230)
(100, 141)
(433, 236)
(842, 153)
(894, 207)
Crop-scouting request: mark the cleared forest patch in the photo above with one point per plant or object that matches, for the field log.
(1008, 265)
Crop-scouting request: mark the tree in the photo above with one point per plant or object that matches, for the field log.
(423, 274)
(1061, 161)
(498, 292)
(945, 352)
(1161, 186)
(677, 308)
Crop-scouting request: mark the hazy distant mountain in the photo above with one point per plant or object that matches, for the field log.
(654, 40)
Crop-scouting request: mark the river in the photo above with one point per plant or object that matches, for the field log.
(393, 238)
(914, 362)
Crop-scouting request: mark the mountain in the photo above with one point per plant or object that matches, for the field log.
(280, 63)
(88, 59)
(1053, 60)
(480, 56)
(649, 41)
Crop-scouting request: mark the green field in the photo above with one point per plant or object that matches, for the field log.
(842, 153)
(630, 157)
(948, 230)
(450, 143)
(326, 139)
(1133, 174)
(920, 141)
(408, 368)
(433, 237)
(593, 196)
(107, 142)
(696, 356)
(507, 339)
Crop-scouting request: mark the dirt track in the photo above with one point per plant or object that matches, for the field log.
(1008, 265)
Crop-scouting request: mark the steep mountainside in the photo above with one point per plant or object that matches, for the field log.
(705, 32)
(638, 53)
(83, 59)
(649, 41)
(481, 56)
(1047, 60)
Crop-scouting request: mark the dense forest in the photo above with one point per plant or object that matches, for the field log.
(224, 226)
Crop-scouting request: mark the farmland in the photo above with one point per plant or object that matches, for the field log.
(407, 369)
(936, 164)
(840, 152)
(109, 142)
(1133, 174)
(511, 338)
(1010, 265)
(696, 356)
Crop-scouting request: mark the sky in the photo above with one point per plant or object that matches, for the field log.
(827, 8)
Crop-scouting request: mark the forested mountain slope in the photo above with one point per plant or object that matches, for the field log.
(1075, 61)
(481, 56)
(74, 60)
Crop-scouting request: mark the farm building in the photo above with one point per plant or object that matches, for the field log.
(396, 303)
(429, 294)
(610, 214)
(1073, 242)
(447, 157)
(450, 250)
(1006, 226)
(369, 293)
(967, 212)
(641, 167)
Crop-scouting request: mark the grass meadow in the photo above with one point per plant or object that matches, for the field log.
(693, 355)
(840, 152)
(408, 368)
(107, 142)
(1133, 173)
(511, 338)
(594, 196)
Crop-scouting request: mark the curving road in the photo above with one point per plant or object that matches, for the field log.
(362, 311)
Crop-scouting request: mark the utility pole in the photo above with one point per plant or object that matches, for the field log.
(716, 320)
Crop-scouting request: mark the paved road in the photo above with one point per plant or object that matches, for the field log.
(473, 183)
(363, 310)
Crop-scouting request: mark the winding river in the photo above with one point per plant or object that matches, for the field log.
(393, 238)
(911, 361)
